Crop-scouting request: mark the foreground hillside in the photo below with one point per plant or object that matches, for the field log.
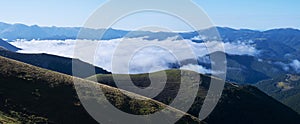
(238, 104)
(33, 95)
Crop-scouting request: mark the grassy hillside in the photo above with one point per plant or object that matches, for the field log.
(238, 104)
(8, 120)
(33, 95)
(7, 46)
(52, 62)
(285, 88)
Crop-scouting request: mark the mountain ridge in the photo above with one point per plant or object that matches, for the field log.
(19, 31)
(53, 62)
(29, 90)
(8, 46)
(238, 104)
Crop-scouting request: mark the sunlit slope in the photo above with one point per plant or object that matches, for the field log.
(34, 95)
(285, 88)
(239, 104)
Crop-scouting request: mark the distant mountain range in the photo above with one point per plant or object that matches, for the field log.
(275, 44)
(288, 36)
(248, 69)
(13, 32)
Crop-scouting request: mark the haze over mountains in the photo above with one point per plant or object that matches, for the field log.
(12, 32)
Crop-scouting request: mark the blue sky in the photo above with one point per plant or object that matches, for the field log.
(252, 14)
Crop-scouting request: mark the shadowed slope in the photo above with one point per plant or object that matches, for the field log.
(52, 62)
(8, 46)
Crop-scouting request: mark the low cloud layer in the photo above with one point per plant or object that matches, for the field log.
(154, 57)
(196, 68)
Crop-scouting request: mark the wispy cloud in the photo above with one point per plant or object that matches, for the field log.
(295, 64)
(196, 68)
(292, 66)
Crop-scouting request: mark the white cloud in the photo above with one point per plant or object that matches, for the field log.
(196, 68)
(199, 37)
(240, 49)
(55, 47)
(292, 66)
(155, 55)
(295, 64)
(230, 48)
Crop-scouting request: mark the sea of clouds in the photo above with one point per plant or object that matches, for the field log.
(156, 56)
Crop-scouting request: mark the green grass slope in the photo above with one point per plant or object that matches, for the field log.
(29, 94)
(238, 104)
(52, 62)
(8, 120)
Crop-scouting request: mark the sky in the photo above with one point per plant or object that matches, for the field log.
(250, 14)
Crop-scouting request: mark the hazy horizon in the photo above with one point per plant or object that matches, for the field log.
(250, 14)
(152, 30)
